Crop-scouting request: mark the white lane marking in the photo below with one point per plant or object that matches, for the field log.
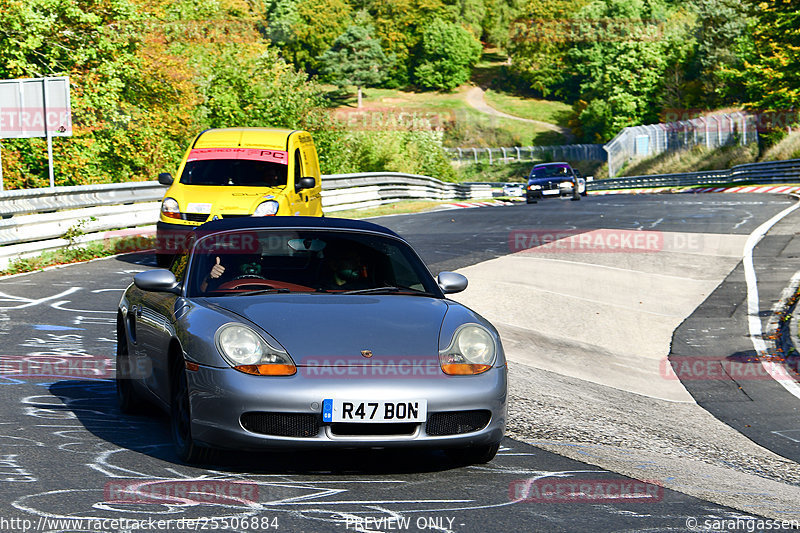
(776, 371)
(60, 306)
(782, 434)
(28, 302)
(744, 220)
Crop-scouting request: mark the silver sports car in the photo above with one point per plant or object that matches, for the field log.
(309, 332)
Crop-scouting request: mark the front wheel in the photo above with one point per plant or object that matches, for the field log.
(181, 420)
(128, 399)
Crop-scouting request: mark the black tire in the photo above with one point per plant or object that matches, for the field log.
(128, 399)
(476, 455)
(181, 419)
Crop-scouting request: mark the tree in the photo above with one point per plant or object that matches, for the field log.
(398, 24)
(304, 29)
(356, 58)
(772, 73)
(446, 56)
(622, 52)
(538, 42)
(722, 33)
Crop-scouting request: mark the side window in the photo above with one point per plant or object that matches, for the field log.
(182, 259)
(298, 166)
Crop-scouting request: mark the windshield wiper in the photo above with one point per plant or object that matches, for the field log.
(282, 290)
(389, 289)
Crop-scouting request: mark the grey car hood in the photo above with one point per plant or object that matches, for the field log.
(327, 328)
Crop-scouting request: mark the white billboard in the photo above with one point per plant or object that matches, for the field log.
(35, 107)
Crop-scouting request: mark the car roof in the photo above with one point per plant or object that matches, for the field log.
(293, 222)
(556, 164)
(272, 138)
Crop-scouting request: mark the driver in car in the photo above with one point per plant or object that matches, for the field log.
(348, 271)
(249, 265)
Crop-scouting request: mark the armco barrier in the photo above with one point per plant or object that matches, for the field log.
(34, 220)
(787, 171)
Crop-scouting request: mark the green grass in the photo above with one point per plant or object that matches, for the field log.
(787, 148)
(544, 110)
(463, 125)
(397, 208)
(695, 159)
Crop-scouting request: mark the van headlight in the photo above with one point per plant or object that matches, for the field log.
(246, 351)
(170, 208)
(472, 351)
(266, 209)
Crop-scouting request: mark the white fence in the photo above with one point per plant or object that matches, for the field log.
(711, 131)
(568, 152)
(35, 220)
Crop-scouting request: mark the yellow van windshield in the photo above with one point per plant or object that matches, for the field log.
(241, 172)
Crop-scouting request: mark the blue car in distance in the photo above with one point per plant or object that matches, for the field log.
(552, 180)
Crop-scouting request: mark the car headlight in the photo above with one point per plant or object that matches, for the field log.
(266, 209)
(534, 187)
(247, 352)
(170, 208)
(565, 184)
(472, 351)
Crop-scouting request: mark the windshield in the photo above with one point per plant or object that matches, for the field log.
(243, 172)
(261, 261)
(550, 172)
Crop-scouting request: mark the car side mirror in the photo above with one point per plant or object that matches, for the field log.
(451, 282)
(305, 183)
(165, 178)
(159, 280)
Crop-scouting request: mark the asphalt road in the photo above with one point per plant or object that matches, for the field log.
(64, 445)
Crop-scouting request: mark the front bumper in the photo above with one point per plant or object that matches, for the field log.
(220, 396)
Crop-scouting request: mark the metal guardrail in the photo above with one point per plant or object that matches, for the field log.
(757, 173)
(34, 220)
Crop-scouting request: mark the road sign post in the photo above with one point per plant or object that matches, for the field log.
(35, 107)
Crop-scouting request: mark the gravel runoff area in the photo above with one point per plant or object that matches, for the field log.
(566, 399)
(679, 445)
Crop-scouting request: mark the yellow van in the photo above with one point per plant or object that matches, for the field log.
(237, 172)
